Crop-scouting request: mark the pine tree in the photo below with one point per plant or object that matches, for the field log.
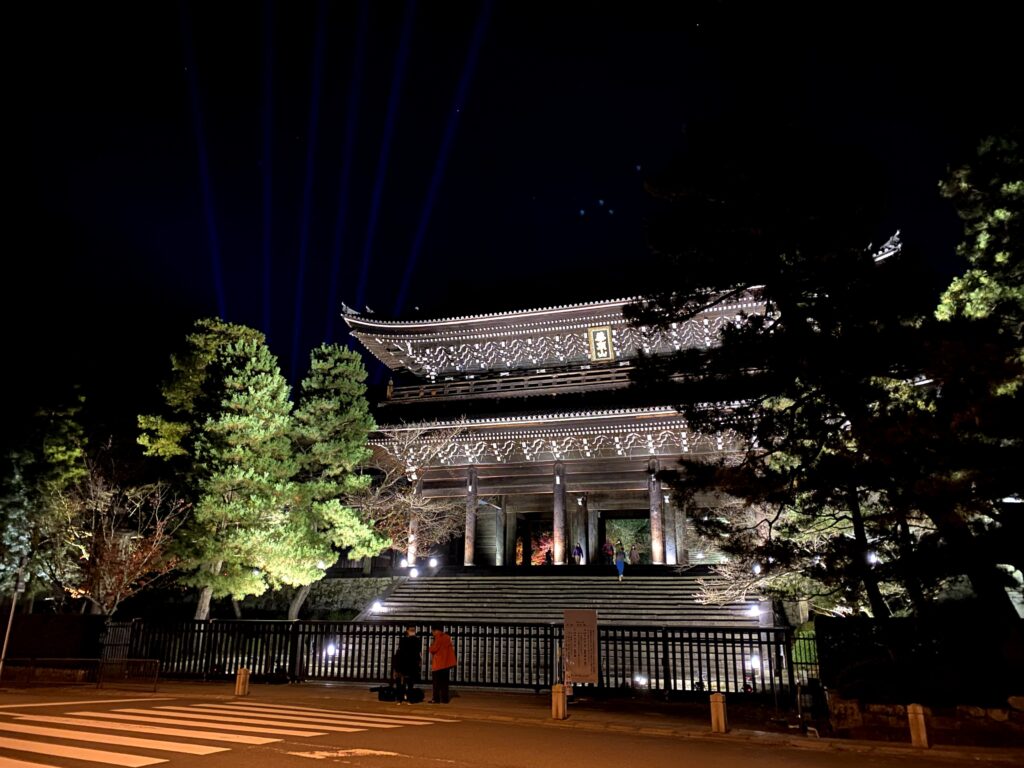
(228, 429)
(332, 424)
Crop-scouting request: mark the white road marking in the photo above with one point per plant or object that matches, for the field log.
(83, 703)
(312, 721)
(178, 721)
(198, 714)
(10, 762)
(235, 738)
(79, 753)
(110, 739)
(306, 710)
(322, 755)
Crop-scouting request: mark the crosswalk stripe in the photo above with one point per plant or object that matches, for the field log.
(79, 753)
(312, 721)
(110, 739)
(10, 762)
(189, 712)
(83, 703)
(234, 738)
(305, 710)
(321, 714)
(177, 721)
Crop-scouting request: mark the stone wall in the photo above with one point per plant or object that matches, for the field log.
(997, 726)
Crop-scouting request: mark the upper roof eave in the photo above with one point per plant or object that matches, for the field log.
(360, 322)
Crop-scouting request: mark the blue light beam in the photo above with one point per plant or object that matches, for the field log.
(397, 78)
(348, 150)
(307, 191)
(442, 157)
(206, 187)
(268, 157)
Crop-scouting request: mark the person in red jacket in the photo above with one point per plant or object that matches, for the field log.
(441, 663)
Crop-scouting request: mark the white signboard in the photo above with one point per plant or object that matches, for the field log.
(579, 647)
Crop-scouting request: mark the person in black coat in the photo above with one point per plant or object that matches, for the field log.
(406, 665)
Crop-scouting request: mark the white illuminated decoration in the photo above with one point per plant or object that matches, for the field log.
(555, 437)
(553, 337)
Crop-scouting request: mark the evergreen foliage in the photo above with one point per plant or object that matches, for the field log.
(851, 489)
(269, 482)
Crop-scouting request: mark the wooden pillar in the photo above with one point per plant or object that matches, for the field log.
(499, 533)
(470, 539)
(655, 502)
(558, 547)
(670, 530)
(593, 544)
(412, 550)
(577, 525)
(511, 532)
(682, 551)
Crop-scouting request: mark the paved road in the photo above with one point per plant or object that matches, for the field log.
(74, 729)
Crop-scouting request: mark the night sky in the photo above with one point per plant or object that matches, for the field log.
(173, 161)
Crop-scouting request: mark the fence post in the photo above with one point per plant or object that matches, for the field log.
(295, 659)
(918, 731)
(242, 682)
(666, 667)
(719, 721)
(558, 703)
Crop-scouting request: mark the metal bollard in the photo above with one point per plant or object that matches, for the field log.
(242, 682)
(918, 731)
(719, 720)
(558, 703)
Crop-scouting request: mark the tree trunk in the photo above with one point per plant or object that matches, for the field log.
(206, 593)
(203, 606)
(236, 607)
(296, 604)
(878, 607)
(907, 555)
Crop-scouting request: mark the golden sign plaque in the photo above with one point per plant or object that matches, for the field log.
(601, 343)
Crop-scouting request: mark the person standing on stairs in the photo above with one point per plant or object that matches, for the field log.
(620, 558)
(634, 555)
(577, 553)
(443, 661)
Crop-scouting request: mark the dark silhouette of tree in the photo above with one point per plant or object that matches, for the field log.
(852, 488)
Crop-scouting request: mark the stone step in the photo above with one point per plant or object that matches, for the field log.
(640, 600)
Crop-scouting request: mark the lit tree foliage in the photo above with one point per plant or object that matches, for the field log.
(989, 196)
(269, 483)
(39, 532)
(332, 423)
(228, 429)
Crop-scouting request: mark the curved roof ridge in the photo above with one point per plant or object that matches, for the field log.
(360, 319)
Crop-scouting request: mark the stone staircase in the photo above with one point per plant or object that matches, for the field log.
(638, 600)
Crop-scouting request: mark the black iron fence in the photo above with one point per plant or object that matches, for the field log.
(667, 659)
